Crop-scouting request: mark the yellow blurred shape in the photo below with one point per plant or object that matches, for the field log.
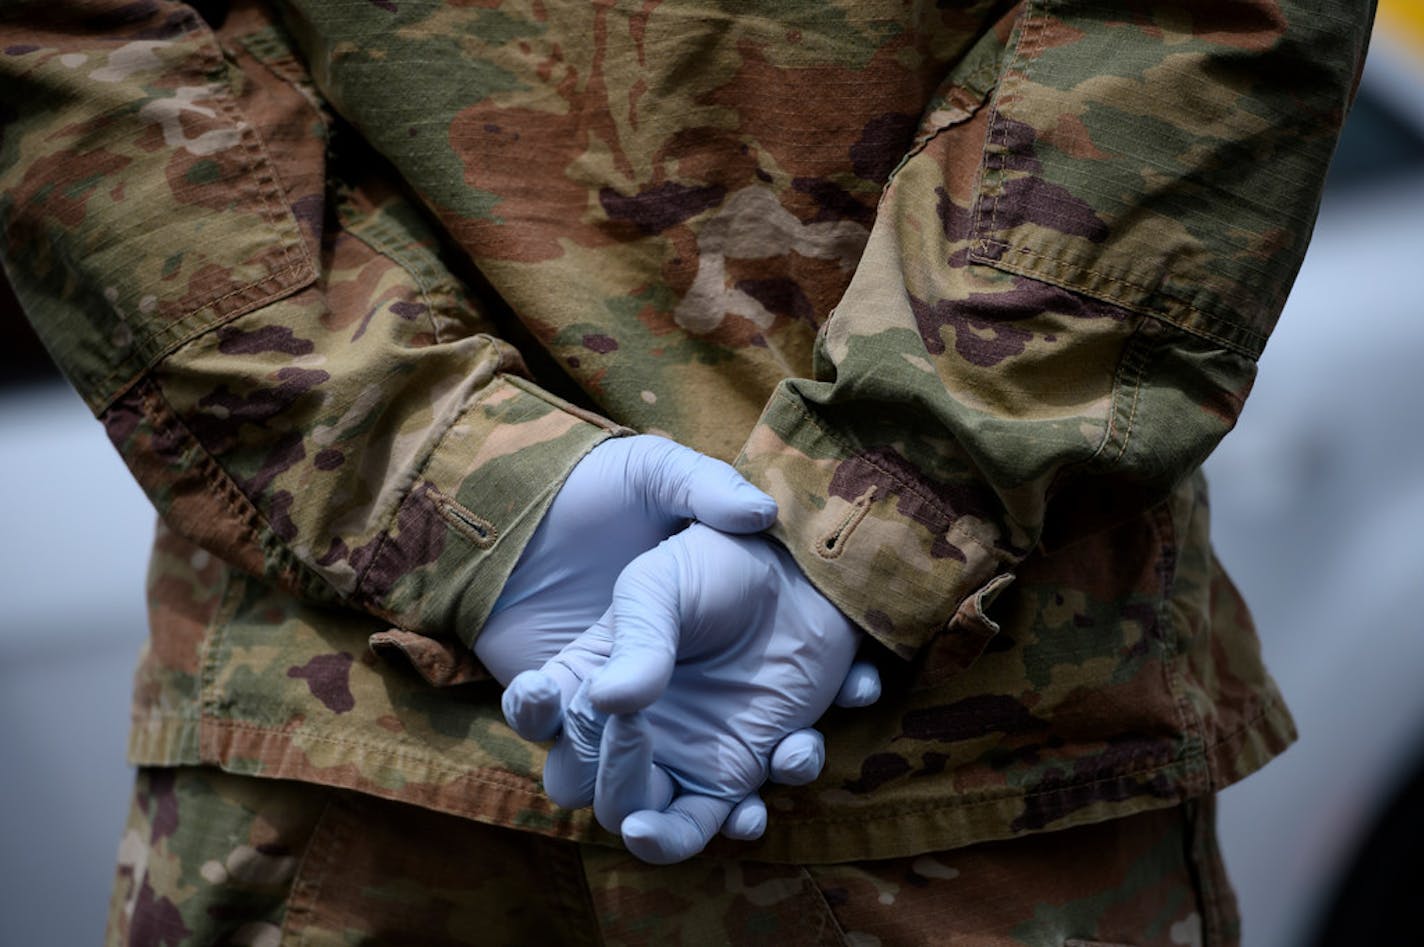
(1403, 20)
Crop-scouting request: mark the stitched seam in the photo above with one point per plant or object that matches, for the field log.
(186, 716)
(833, 543)
(968, 801)
(1022, 54)
(213, 647)
(978, 800)
(165, 422)
(176, 327)
(476, 529)
(183, 324)
(1137, 365)
(426, 282)
(238, 504)
(993, 178)
(1124, 365)
(1190, 720)
(316, 860)
(965, 802)
(1253, 334)
(1163, 529)
(265, 186)
(272, 48)
(432, 764)
(828, 914)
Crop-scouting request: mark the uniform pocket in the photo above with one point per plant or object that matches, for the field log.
(1153, 165)
(144, 209)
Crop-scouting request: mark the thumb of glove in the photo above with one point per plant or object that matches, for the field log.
(645, 633)
(684, 483)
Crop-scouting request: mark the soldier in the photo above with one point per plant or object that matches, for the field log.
(371, 296)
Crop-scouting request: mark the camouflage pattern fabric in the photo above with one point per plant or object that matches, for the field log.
(211, 858)
(970, 289)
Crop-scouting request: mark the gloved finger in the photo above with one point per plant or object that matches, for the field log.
(799, 758)
(645, 633)
(627, 779)
(676, 833)
(533, 702)
(747, 821)
(577, 661)
(685, 483)
(861, 686)
(533, 705)
(571, 769)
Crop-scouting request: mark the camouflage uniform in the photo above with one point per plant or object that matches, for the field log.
(352, 287)
(212, 858)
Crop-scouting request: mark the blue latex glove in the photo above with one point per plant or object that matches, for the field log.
(619, 501)
(623, 498)
(717, 648)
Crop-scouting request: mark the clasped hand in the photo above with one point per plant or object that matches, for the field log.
(676, 668)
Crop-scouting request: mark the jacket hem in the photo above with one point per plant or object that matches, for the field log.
(514, 800)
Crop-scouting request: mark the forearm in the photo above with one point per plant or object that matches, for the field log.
(287, 368)
(1059, 310)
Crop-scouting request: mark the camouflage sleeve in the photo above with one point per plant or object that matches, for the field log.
(339, 420)
(1065, 291)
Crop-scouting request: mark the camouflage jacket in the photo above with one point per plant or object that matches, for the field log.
(972, 289)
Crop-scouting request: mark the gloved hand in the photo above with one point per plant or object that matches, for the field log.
(619, 501)
(623, 498)
(715, 649)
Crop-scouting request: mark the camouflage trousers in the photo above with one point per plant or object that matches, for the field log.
(211, 858)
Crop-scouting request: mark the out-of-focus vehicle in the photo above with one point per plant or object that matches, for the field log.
(1318, 510)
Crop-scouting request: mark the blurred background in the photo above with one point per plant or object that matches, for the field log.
(1318, 502)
